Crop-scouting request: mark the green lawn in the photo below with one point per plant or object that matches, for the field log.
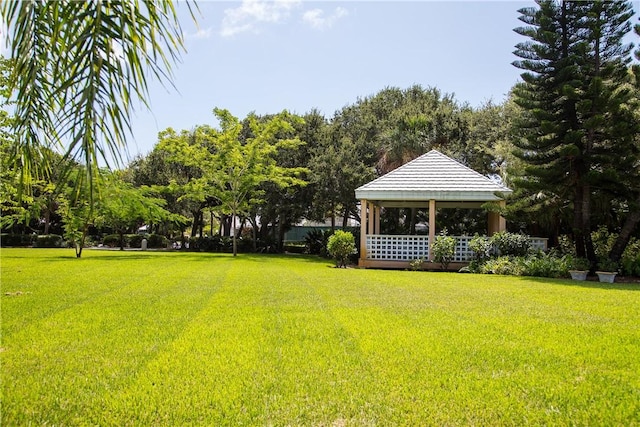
(133, 338)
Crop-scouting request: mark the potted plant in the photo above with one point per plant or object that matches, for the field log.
(607, 270)
(579, 268)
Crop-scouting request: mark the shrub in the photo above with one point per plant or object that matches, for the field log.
(444, 248)
(580, 264)
(503, 265)
(316, 242)
(340, 246)
(544, 265)
(16, 240)
(603, 241)
(630, 262)
(134, 240)
(481, 247)
(157, 241)
(565, 245)
(416, 264)
(111, 240)
(511, 244)
(630, 265)
(606, 264)
(49, 241)
(206, 244)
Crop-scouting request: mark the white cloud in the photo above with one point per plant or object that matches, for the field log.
(317, 19)
(251, 13)
(202, 33)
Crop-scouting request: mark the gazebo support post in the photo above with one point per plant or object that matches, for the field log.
(363, 230)
(377, 226)
(432, 227)
(496, 222)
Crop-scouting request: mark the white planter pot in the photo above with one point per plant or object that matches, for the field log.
(606, 276)
(578, 274)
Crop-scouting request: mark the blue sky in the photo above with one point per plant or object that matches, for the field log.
(266, 56)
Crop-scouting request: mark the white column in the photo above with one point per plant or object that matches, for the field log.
(363, 229)
(432, 227)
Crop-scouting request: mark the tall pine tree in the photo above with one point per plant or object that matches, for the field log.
(576, 125)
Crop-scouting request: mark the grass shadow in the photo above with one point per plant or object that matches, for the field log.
(591, 284)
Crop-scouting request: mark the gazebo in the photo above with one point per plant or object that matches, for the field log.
(430, 181)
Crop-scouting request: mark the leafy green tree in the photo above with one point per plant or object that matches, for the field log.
(577, 124)
(174, 180)
(77, 212)
(284, 206)
(336, 171)
(240, 169)
(80, 67)
(233, 166)
(124, 207)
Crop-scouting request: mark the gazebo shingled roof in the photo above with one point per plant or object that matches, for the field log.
(432, 176)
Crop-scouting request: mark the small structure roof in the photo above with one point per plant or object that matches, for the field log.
(432, 176)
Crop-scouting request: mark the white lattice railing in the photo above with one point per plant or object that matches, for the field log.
(381, 247)
(539, 243)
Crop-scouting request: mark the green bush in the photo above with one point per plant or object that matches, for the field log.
(503, 265)
(606, 264)
(481, 247)
(316, 242)
(580, 264)
(134, 240)
(157, 241)
(48, 241)
(340, 246)
(444, 248)
(544, 265)
(511, 244)
(416, 264)
(111, 240)
(206, 244)
(16, 240)
(630, 262)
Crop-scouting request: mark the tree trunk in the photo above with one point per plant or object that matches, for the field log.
(625, 234)
(235, 243)
(80, 245)
(254, 234)
(121, 235)
(281, 233)
(197, 215)
(333, 218)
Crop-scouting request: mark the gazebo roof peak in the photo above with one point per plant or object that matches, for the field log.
(432, 176)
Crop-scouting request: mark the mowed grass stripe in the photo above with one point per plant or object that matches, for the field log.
(264, 350)
(439, 341)
(81, 352)
(278, 340)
